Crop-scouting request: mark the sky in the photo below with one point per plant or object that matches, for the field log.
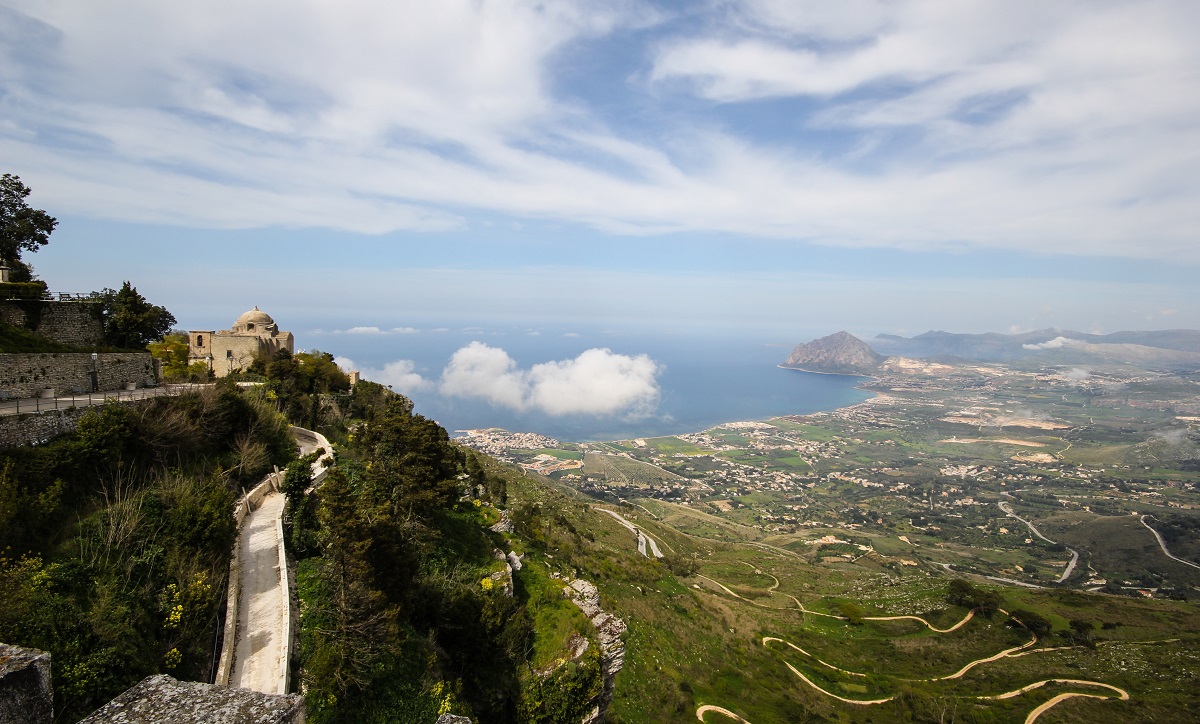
(777, 165)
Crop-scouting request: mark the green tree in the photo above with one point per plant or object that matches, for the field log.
(131, 322)
(1035, 622)
(21, 228)
(172, 352)
(303, 383)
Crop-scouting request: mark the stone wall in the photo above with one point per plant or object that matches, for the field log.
(18, 430)
(37, 428)
(72, 323)
(29, 375)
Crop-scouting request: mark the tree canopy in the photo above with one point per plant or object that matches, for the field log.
(21, 228)
(130, 321)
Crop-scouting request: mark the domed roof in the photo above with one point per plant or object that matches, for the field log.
(255, 316)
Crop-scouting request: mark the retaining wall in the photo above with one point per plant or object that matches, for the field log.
(40, 427)
(72, 323)
(31, 374)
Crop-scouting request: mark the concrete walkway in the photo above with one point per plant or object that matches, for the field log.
(259, 657)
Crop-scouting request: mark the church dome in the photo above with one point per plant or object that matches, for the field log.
(253, 320)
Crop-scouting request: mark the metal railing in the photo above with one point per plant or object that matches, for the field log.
(55, 297)
(33, 405)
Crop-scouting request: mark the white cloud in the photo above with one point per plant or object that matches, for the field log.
(597, 382)
(1055, 343)
(478, 370)
(1068, 127)
(401, 375)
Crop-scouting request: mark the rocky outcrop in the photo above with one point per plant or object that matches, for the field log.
(504, 578)
(164, 700)
(25, 689)
(609, 632)
(840, 353)
(505, 525)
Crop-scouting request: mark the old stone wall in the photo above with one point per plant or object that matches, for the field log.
(40, 427)
(29, 375)
(18, 430)
(73, 323)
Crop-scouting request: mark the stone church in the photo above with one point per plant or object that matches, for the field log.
(232, 350)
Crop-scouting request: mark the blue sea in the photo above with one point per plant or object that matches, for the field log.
(703, 379)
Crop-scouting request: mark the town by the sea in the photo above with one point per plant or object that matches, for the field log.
(703, 378)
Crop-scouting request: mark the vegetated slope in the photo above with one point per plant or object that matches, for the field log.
(876, 630)
(408, 608)
(115, 539)
(840, 353)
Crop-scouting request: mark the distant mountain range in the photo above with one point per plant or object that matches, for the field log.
(844, 353)
(1170, 348)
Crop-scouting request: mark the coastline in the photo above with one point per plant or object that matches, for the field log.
(875, 398)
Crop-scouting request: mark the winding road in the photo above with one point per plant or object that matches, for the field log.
(642, 538)
(1163, 544)
(1014, 652)
(1032, 529)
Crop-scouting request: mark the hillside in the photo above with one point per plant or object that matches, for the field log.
(838, 353)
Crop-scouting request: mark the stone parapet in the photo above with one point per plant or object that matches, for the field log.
(61, 373)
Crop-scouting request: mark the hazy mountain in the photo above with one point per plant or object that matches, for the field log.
(1164, 348)
(840, 353)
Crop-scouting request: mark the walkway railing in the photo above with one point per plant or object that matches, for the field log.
(33, 405)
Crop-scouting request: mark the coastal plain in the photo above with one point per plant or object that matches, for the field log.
(809, 562)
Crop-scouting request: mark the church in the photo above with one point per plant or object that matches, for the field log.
(231, 350)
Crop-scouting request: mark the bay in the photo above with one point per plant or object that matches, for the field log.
(705, 378)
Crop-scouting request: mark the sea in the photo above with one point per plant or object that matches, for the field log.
(704, 377)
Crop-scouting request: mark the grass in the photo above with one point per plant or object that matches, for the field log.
(624, 470)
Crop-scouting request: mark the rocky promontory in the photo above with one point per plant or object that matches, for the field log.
(840, 353)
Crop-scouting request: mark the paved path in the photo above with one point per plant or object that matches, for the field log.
(30, 405)
(258, 659)
(1163, 544)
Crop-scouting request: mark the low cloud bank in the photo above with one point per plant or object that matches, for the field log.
(1053, 343)
(597, 382)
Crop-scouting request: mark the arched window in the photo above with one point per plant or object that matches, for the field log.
(199, 340)
(249, 326)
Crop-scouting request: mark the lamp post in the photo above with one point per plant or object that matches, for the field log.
(95, 373)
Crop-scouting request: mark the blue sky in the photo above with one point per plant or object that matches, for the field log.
(776, 164)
